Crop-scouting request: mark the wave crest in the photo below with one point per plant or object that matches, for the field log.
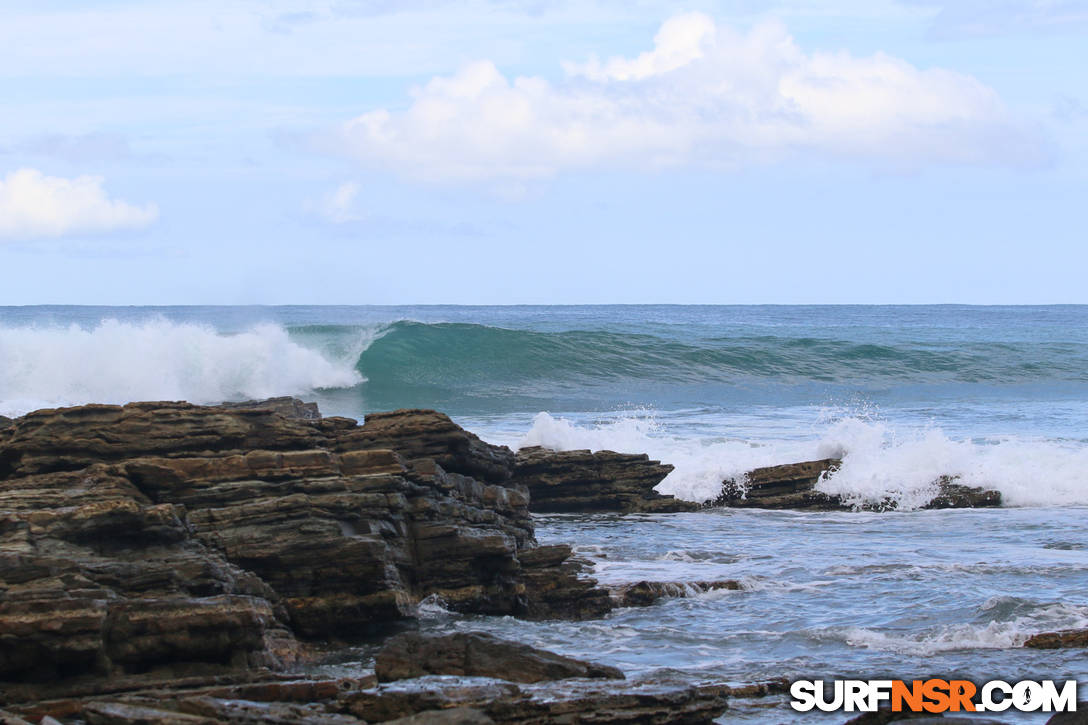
(119, 362)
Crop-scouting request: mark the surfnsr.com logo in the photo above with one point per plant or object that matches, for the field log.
(934, 696)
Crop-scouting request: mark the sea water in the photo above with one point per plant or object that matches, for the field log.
(995, 395)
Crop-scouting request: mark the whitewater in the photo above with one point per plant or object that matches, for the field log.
(997, 396)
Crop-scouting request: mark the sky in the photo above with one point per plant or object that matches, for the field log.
(543, 152)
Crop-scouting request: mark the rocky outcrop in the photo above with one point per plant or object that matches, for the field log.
(793, 486)
(429, 434)
(356, 701)
(646, 593)
(176, 540)
(474, 654)
(584, 481)
(1059, 640)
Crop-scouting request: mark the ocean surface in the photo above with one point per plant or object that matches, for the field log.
(995, 395)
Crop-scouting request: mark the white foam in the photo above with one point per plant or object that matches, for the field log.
(119, 362)
(880, 460)
(946, 638)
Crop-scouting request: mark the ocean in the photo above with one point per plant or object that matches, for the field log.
(995, 395)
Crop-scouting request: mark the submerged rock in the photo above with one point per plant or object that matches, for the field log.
(793, 486)
(475, 654)
(584, 481)
(173, 540)
(646, 593)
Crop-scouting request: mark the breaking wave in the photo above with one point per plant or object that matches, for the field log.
(119, 362)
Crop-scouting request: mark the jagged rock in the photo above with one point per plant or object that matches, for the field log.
(430, 434)
(428, 700)
(474, 654)
(172, 539)
(543, 703)
(575, 481)
(5, 422)
(557, 586)
(646, 593)
(286, 406)
(793, 486)
(1059, 640)
(453, 716)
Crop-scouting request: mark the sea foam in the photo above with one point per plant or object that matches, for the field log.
(119, 362)
(880, 460)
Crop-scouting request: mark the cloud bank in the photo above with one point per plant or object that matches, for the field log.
(704, 95)
(33, 205)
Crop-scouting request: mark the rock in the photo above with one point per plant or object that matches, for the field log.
(121, 713)
(473, 654)
(793, 486)
(453, 716)
(285, 406)
(582, 481)
(172, 540)
(646, 593)
(1059, 640)
(954, 495)
(557, 586)
(596, 702)
(790, 486)
(429, 434)
(6, 422)
(1078, 717)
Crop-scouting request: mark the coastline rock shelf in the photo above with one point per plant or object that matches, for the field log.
(173, 538)
(793, 486)
(168, 563)
(584, 481)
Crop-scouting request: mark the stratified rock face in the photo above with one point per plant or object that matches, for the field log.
(577, 481)
(1059, 640)
(167, 535)
(792, 486)
(429, 434)
(474, 654)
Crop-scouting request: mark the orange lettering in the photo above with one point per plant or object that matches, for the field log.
(961, 692)
(936, 691)
(912, 696)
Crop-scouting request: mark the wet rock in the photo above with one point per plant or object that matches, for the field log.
(584, 481)
(175, 540)
(646, 593)
(476, 654)
(793, 486)
(1059, 640)
(558, 586)
(5, 422)
(789, 486)
(453, 716)
(590, 701)
(430, 434)
(1078, 717)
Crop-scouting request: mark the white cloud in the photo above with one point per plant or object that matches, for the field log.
(339, 205)
(33, 205)
(704, 95)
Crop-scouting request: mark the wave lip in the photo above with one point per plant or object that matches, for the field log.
(120, 362)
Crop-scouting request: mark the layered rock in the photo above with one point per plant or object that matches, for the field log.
(585, 481)
(646, 593)
(429, 434)
(428, 700)
(1059, 640)
(475, 654)
(793, 486)
(186, 539)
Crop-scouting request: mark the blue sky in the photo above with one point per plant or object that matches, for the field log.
(502, 152)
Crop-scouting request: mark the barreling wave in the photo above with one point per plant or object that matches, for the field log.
(448, 353)
(118, 362)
